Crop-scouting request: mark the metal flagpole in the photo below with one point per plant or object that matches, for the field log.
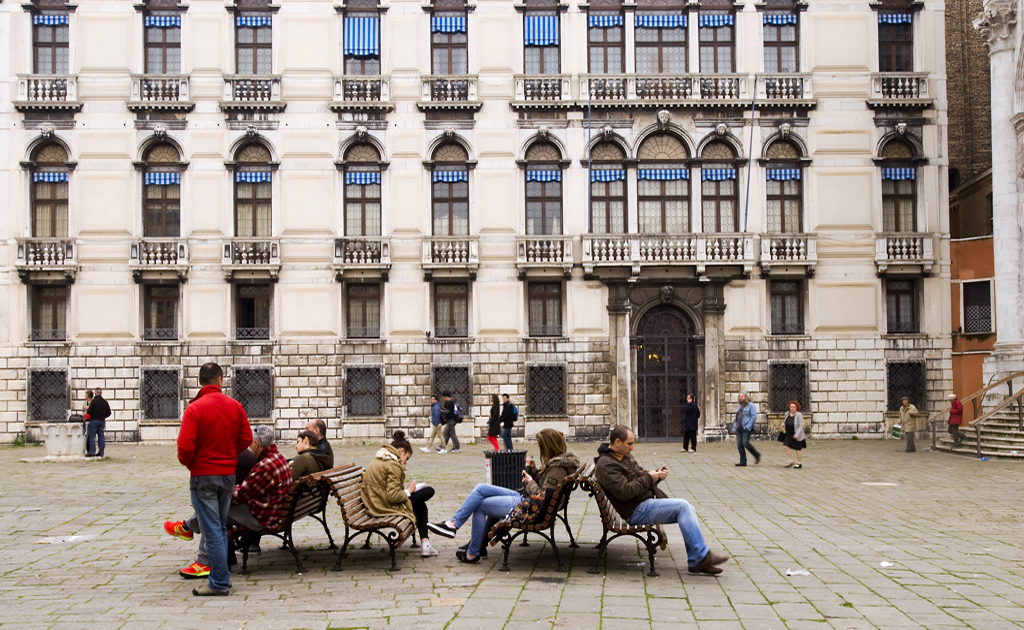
(750, 156)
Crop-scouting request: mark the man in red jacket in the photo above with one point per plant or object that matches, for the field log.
(213, 432)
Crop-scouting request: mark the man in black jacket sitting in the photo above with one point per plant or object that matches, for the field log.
(96, 415)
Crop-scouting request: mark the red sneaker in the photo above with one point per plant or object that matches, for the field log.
(194, 571)
(177, 529)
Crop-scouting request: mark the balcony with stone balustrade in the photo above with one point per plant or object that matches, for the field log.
(543, 91)
(258, 92)
(639, 90)
(449, 92)
(539, 252)
(47, 91)
(899, 89)
(256, 256)
(360, 93)
(46, 256)
(360, 254)
(160, 91)
(158, 255)
(793, 90)
(904, 252)
(638, 251)
(789, 252)
(452, 254)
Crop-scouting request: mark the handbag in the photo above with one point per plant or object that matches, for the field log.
(782, 436)
(527, 510)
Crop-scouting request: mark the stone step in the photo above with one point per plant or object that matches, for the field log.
(1004, 449)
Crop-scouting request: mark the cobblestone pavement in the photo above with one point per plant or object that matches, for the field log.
(951, 527)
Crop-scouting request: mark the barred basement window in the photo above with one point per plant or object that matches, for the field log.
(47, 395)
(977, 306)
(160, 399)
(787, 382)
(364, 392)
(905, 378)
(255, 390)
(545, 390)
(454, 379)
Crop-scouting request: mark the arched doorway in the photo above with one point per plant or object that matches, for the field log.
(666, 372)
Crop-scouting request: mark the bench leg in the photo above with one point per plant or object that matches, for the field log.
(344, 548)
(506, 544)
(295, 552)
(366, 545)
(565, 521)
(652, 548)
(391, 547)
(554, 548)
(600, 552)
(524, 543)
(245, 557)
(323, 521)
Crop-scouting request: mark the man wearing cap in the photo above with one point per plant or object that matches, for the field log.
(956, 418)
(909, 417)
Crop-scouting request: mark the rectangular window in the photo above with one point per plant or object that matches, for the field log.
(720, 205)
(162, 208)
(49, 313)
(608, 207)
(362, 204)
(161, 312)
(901, 307)
(454, 379)
(541, 42)
(253, 49)
(160, 394)
(899, 205)
(543, 206)
(663, 206)
(451, 310)
(787, 307)
(163, 48)
(717, 37)
(785, 206)
(363, 311)
(895, 42)
(451, 208)
(48, 395)
(254, 388)
(905, 378)
(545, 309)
(253, 316)
(253, 202)
(50, 51)
(362, 44)
(781, 42)
(364, 392)
(545, 390)
(449, 52)
(977, 298)
(661, 43)
(50, 209)
(787, 382)
(607, 43)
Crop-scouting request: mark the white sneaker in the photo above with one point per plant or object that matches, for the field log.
(427, 550)
(441, 451)
(456, 450)
(424, 449)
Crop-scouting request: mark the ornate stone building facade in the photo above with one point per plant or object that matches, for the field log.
(596, 208)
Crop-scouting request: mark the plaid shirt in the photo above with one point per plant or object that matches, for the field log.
(266, 488)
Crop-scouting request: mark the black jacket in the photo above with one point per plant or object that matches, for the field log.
(448, 412)
(98, 408)
(508, 418)
(325, 446)
(494, 424)
(691, 414)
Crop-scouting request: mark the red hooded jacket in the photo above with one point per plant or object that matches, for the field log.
(213, 432)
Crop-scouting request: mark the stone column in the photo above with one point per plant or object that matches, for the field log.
(621, 354)
(997, 24)
(714, 358)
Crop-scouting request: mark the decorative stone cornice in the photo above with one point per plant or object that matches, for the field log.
(997, 23)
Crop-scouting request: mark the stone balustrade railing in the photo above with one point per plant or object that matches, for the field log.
(47, 88)
(664, 87)
(252, 252)
(455, 251)
(544, 250)
(365, 251)
(362, 89)
(158, 253)
(784, 87)
(789, 248)
(904, 246)
(46, 253)
(543, 87)
(252, 89)
(899, 86)
(440, 89)
(159, 89)
(638, 250)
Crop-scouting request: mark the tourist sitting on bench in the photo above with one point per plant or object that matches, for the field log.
(636, 497)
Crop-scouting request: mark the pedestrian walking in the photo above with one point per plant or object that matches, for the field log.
(509, 415)
(96, 415)
(436, 428)
(494, 423)
(691, 414)
(746, 419)
(909, 417)
(795, 439)
(956, 418)
(214, 430)
(451, 415)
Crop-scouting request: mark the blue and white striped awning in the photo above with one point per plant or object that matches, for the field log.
(782, 174)
(717, 174)
(162, 21)
(49, 177)
(161, 179)
(895, 18)
(779, 19)
(663, 173)
(450, 177)
(604, 21)
(899, 173)
(442, 24)
(253, 177)
(50, 20)
(253, 20)
(362, 36)
(611, 175)
(540, 30)
(649, 20)
(362, 178)
(714, 20)
(544, 176)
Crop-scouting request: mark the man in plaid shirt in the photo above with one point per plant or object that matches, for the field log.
(259, 502)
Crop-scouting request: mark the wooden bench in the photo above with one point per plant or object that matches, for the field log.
(554, 510)
(345, 483)
(651, 536)
(307, 496)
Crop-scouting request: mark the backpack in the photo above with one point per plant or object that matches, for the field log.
(515, 414)
(457, 413)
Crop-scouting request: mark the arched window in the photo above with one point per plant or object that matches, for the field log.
(161, 192)
(362, 191)
(253, 199)
(50, 191)
(607, 189)
(899, 189)
(450, 190)
(543, 190)
(719, 191)
(785, 188)
(663, 186)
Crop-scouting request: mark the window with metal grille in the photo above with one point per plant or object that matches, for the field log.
(47, 395)
(977, 298)
(895, 47)
(363, 311)
(905, 378)
(160, 394)
(454, 379)
(787, 307)
(49, 313)
(545, 390)
(901, 307)
(254, 388)
(161, 312)
(545, 309)
(253, 316)
(787, 382)
(451, 310)
(364, 392)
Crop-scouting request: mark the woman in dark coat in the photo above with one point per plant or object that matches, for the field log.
(795, 438)
(494, 424)
(691, 414)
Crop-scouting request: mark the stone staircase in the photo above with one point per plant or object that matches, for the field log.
(1000, 437)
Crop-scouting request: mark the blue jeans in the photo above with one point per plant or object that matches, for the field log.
(485, 500)
(743, 442)
(211, 499)
(659, 511)
(506, 434)
(96, 439)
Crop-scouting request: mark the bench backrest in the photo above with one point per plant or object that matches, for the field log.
(558, 500)
(345, 484)
(604, 505)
